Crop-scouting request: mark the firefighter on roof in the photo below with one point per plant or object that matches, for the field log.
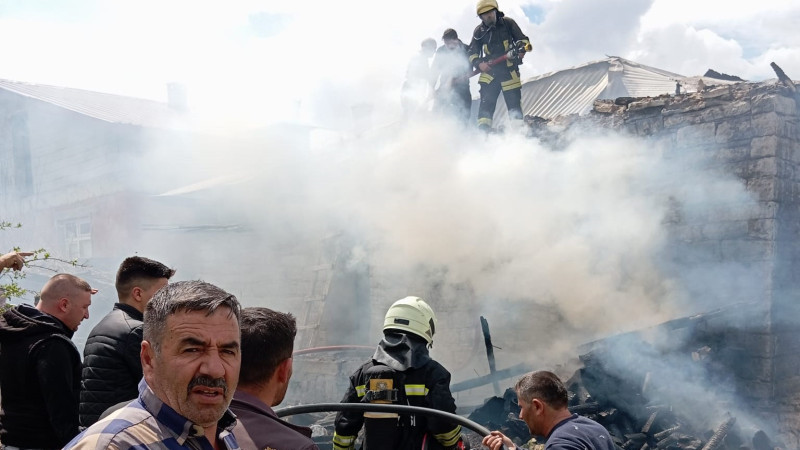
(400, 372)
(495, 36)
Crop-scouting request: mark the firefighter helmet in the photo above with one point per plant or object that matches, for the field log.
(411, 314)
(486, 5)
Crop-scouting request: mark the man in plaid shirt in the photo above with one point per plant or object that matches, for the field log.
(190, 358)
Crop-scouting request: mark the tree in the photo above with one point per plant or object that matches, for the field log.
(40, 259)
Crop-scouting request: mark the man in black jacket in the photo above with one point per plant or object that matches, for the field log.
(401, 371)
(40, 379)
(494, 37)
(111, 365)
(267, 344)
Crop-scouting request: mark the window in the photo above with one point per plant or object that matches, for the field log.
(78, 237)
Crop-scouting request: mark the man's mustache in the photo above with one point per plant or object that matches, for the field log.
(206, 381)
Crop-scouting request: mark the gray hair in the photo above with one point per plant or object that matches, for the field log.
(184, 296)
(544, 385)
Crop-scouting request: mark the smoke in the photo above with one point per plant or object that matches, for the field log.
(554, 246)
(586, 232)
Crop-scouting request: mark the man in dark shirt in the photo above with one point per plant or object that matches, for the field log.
(451, 68)
(112, 368)
(543, 406)
(267, 345)
(41, 372)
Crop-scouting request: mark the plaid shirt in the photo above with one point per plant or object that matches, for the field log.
(148, 423)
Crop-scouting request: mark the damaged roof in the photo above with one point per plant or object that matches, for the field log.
(574, 90)
(107, 107)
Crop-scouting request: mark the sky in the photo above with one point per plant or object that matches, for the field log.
(307, 61)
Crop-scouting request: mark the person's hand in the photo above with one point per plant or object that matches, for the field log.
(13, 260)
(496, 440)
(484, 67)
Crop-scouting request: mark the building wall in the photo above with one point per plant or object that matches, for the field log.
(63, 176)
(751, 131)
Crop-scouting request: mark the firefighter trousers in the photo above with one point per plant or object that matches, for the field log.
(509, 84)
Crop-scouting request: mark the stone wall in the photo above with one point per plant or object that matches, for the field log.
(751, 131)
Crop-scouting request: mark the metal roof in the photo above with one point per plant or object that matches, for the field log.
(574, 90)
(107, 107)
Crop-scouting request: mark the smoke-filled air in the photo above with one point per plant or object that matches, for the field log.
(296, 154)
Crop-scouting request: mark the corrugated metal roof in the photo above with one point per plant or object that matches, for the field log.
(574, 90)
(108, 107)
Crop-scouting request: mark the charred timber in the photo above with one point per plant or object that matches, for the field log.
(719, 434)
(649, 423)
(661, 435)
(586, 408)
(486, 379)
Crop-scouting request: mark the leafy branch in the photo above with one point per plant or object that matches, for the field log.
(10, 279)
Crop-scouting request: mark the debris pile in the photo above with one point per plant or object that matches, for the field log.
(637, 415)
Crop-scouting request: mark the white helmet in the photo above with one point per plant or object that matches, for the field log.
(414, 315)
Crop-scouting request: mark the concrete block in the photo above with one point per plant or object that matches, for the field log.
(736, 108)
(746, 250)
(787, 344)
(762, 229)
(734, 129)
(730, 152)
(766, 124)
(752, 368)
(764, 188)
(772, 102)
(761, 344)
(757, 390)
(762, 146)
(696, 134)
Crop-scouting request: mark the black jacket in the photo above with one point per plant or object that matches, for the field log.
(111, 365)
(40, 371)
(419, 380)
(491, 42)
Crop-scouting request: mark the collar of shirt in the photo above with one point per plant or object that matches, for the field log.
(253, 403)
(180, 426)
(130, 310)
(559, 424)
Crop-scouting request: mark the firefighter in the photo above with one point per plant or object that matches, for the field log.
(495, 36)
(401, 372)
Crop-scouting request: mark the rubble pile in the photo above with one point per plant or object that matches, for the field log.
(638, 416)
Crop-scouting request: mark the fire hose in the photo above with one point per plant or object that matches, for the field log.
(379, 407)
(511, 54)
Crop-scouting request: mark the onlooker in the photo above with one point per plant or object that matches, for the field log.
(111, 365)
(267, 345)
(13, 260)
(41, 367)
(190, 358)
(401, 371)
(543, 407)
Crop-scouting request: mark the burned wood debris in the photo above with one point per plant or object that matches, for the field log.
(638, 415)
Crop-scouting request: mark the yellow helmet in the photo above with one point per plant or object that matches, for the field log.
(411, 314)
(486, 5)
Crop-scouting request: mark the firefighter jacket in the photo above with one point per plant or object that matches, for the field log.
(401, 363)
(492, 42)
